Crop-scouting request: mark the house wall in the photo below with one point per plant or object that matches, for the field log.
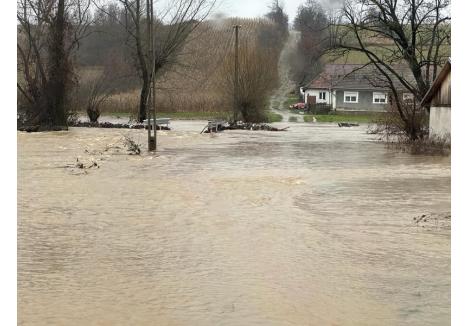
(440, 122)
(365, 102)
(315, 92)
(333, 98)
(443, 95)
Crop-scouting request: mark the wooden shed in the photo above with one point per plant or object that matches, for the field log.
(438, 98)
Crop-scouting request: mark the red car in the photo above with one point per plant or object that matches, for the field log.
(298, 106)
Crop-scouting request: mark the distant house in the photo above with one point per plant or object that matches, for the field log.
(438, 98)
(351, 88)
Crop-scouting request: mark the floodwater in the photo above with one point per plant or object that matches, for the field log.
(313, 226)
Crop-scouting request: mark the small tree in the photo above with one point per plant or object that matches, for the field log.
(99, 90)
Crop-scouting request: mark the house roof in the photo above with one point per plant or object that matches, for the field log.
(356, 77)
(437, 83)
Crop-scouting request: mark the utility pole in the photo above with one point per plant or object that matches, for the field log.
(153, 73)
(236, 74)
(151, 103)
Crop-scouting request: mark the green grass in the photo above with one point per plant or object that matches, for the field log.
(292, 119)
(292, 99)
(367, 118)
(273, 117)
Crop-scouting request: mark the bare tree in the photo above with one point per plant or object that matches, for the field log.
(174, 25)
(390, 33)
(278, 16)
(48, 34)
(98, 90)
(311, 22)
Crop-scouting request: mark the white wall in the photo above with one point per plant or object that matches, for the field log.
(440, 121)
(315, 92)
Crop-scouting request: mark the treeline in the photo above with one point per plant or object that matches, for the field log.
(108, 65)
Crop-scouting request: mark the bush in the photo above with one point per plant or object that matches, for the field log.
(424, 146)
(319, 109)
(273, 117)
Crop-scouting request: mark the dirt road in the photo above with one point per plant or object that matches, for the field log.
(277, 101)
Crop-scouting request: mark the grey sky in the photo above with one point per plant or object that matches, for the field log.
(258, 8)
(254, 8)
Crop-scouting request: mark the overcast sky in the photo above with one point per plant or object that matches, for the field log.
(258, 8)
(255, 8)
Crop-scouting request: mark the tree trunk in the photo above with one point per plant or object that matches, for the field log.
(144, 98)
(58, 70)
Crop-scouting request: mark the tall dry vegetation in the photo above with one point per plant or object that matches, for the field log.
(199, 81)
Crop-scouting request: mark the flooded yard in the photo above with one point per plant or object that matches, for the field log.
(313, 226)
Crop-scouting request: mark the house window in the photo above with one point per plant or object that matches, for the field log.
(408, 97)
(351, 97)
(380, 98)
(322, 96)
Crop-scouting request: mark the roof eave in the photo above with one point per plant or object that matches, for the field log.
(437, 82)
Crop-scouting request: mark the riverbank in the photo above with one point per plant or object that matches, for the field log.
(185, 116)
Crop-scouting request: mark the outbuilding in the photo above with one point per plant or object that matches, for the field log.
(438, 99)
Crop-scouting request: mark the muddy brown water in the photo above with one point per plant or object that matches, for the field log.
(313, 226)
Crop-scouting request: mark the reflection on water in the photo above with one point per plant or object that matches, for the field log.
(308, 227)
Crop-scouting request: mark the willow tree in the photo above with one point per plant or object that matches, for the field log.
(48, 34)
(257, 74)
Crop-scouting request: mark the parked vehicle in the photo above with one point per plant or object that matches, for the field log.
(298, 106)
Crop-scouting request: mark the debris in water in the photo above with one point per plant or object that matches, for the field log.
(215, 126)
(132, 147)
(347, 125)
(435, 220)
(81, 124)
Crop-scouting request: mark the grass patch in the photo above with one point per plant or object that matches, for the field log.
(368, 118)
(273, 117)
(292, 119)
(292, 99)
